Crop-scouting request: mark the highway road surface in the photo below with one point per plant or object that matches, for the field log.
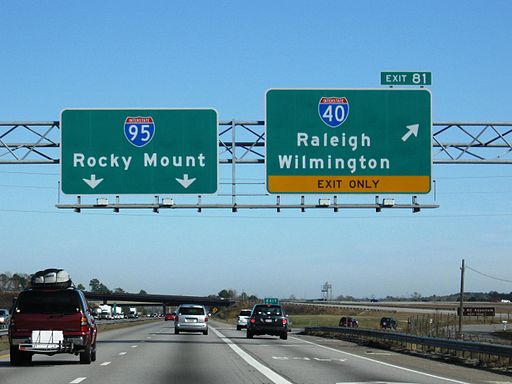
(152, 353)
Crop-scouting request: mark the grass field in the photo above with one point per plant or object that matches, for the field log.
(365, 320)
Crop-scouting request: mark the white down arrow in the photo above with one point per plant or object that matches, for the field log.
(93, 182)
(185, 182)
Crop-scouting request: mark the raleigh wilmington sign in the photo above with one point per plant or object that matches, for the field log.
(348, 141)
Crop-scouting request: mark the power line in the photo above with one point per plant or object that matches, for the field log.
(30, 173)
(489, 276)
(27, 186)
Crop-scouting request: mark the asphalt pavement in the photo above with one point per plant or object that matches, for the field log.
(152, 353)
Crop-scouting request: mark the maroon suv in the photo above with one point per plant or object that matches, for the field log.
(50, 320)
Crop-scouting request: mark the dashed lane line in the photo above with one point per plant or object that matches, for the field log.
(105, 363)
(382, 363)
(266, 371)
(78, 380)
(122, 353)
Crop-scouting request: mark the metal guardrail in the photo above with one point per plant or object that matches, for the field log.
(449, 344)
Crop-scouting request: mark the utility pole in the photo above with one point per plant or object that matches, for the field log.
(461, 299)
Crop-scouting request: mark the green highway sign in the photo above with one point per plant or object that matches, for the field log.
(406, 78)
(139, 151)
(348, 141)
(271, 300)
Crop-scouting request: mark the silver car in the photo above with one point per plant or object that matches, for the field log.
(242, 319)
(191, 318)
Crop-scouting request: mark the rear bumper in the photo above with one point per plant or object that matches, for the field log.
(69, 345)
(192, 327)
(267, 330)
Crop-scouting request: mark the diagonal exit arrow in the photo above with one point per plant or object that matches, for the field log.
(93, 182)
(185, 182)
(412, 130)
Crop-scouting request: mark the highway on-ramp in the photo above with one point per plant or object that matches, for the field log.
(152, 353)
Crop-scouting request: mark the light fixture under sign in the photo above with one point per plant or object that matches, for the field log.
(167, 201)
(324, 202)
(388, 202)
(101, 201)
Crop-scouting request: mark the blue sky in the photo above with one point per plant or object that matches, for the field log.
(225, 55)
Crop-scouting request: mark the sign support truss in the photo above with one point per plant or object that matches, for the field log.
(242, 146)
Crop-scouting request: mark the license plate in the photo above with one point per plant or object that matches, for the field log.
(191, 320)
(47, 338)
(268, 321)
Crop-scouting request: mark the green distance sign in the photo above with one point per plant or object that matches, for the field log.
(139, 151)
(348, 140)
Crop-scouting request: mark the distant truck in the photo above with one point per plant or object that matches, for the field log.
(96, 312)
(106, 312)
(118, 313)
(132, 314)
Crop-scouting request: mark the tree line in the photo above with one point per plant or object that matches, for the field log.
(15, 282)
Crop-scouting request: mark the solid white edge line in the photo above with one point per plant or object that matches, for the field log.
(383, 363)
(267, 372)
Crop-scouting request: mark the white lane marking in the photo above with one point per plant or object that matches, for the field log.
(122, 353)
(379, 353)
(382, 363)
(374, 382)
(105, 363)
(270, 374)
(134, 346)
(318, 359)
(78, 380)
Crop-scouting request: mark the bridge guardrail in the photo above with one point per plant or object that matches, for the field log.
(407, 339)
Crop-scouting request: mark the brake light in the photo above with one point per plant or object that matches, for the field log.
(84, 325)
(253, 320)
(284, 321)
(206, 319)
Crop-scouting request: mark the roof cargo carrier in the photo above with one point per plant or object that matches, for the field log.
(51, 278)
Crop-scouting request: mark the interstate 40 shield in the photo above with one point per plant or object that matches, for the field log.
(348, 140)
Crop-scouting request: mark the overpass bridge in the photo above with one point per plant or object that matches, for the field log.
(155, 299)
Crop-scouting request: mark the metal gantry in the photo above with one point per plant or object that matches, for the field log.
(242, 143)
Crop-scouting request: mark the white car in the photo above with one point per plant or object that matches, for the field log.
(242, 319)
(4, 318)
